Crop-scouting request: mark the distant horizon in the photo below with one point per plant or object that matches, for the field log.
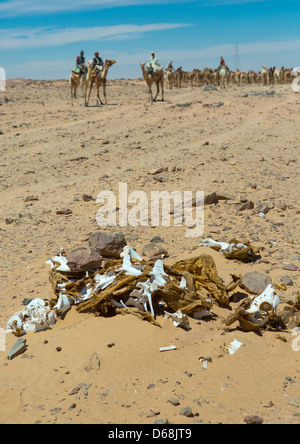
(43, 39)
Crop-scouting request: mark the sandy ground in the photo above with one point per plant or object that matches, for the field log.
(52, 154)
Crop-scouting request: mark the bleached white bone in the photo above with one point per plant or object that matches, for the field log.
(37, 316)
(223, 247)
(144, 292)
(127, 265)
(183, 284)
(104, 281)
(234, 347)
(158, 272)
(171, 347)
(178, 319)
(61, 260)
(266, 302)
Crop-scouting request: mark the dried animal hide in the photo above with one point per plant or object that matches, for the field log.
(254, 314)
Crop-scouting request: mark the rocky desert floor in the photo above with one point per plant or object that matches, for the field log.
(242, 143)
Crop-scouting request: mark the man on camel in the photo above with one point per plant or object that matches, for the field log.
(98, 64)
(153, 65)
(80, 63)
(170, 67)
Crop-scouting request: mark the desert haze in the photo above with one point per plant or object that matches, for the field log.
(241, 143)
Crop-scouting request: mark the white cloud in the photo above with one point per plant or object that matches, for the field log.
(12, 39)
(15, 8)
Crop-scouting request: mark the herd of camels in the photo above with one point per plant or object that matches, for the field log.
(179, 78)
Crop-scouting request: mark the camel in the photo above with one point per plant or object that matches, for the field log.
(98, 80)
(222, 77)
(76, 81)
(265, 76)
(170, 77)
(157, 78)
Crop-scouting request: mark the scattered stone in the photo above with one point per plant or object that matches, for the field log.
(87, 198)
(108, 245)
(255, 283)
(65, 212)
(287, 281)
(156, 240)
(154, 251)
(174, 401)
(264, 207)
(18, 348)
(294, 402)
(75, 390)
(9, 220)
(251, 419)
(224, 196)
(95, 362)
(27, 301)
(186, 411)
(84, 259)
(210, 88)
(289, 267)
(58, 349)
(248, 205)
(211, 199)
(268, 405)
(162, 421)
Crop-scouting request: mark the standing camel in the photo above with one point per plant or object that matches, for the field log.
(77, 80)
(99, 80)
(222, 77)
(157, 78)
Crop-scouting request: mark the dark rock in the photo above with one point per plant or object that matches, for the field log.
(211, 199)
(19, 348)
(264, 207)
(287, 281)
(251, 419)
(84, 259)
(289, 267)
(210, 88)
(255, 283)
(245, 206)
(156, 240)
(154, 251)
(186, 411)
(108, 245)
(64, 212)
(87, 198)
(174, 401)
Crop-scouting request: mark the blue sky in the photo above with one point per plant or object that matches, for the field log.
(41, 39)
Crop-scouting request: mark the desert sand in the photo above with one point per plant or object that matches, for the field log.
(247, 147)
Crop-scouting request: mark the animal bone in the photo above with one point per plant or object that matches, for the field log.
(266, 302)
(144, 295)
(234, 347)
(128, 254)
(178, 319)
(158, 273)
(62, 261)
(38, 316)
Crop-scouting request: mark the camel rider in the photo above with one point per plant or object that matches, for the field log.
(98, 63)
(153, 65)
(80, 63)
(170, 67)
(222, 63)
